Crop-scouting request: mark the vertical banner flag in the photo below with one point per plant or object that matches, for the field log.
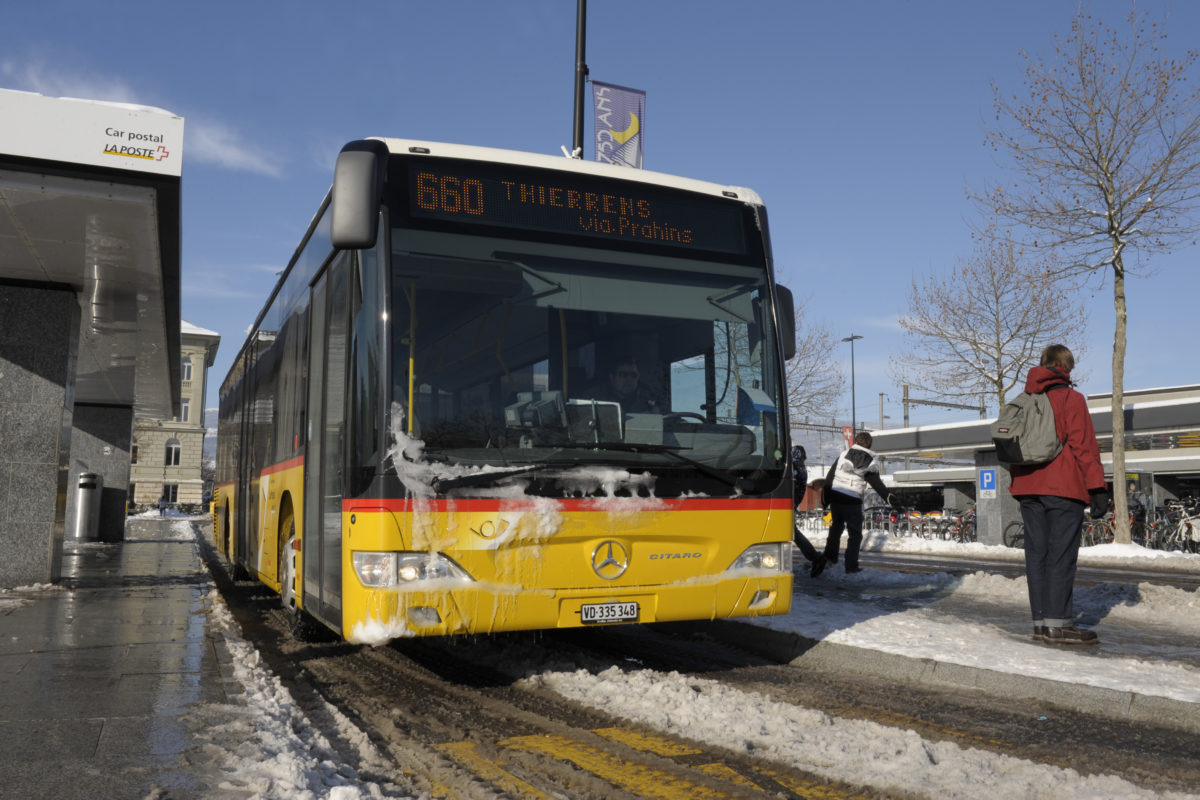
(619, 116)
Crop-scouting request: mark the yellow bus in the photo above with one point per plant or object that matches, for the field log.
(498, 391)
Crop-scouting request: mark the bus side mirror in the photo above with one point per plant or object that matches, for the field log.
(787, 321)
(357, 193)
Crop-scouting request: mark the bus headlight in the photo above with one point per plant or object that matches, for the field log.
(774, 557)
(377, 569)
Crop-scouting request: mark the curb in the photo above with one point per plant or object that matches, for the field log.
(800, 651)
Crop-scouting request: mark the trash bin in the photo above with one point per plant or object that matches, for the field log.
(87, 506)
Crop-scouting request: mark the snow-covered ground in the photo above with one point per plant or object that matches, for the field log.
(268, 748)
(1150, 634)
(978, 620)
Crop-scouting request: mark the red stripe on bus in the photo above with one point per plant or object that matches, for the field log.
(647, 504)
(298, 461)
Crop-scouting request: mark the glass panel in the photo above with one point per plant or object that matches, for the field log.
(313, 457)
(561, 354)
(333, 458)
(366, 312)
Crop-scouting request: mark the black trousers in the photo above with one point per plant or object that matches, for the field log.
(806, 547)
(848, 517)
(1053, 526)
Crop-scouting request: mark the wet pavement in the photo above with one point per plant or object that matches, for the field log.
(99, 673)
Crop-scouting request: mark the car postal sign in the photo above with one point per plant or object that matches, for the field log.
(114, 135)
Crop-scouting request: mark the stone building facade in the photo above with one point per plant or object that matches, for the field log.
(167, 455)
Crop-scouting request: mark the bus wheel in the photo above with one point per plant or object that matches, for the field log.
(300, 624)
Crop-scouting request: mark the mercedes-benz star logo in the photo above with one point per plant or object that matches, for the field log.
(610, 560)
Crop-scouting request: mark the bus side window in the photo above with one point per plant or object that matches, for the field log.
(365, 361)
(688, 385)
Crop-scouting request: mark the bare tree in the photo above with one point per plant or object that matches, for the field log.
(977, 330)
(1106, 146)
(815, 380)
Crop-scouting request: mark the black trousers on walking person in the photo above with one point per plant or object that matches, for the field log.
(1053, 526)
(800, 487)
(848, 517)
(806, 547)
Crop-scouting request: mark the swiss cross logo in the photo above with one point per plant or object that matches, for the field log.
(162, 153)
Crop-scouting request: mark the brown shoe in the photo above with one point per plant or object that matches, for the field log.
(1039, 632)
(1068, 635)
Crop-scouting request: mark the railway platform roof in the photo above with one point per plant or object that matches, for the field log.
(1162, 437)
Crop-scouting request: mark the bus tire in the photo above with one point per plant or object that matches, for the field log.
(300, 624)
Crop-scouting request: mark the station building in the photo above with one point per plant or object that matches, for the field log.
(167, 455)
(89, 311)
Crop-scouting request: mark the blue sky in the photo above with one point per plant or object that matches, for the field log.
(860, 123)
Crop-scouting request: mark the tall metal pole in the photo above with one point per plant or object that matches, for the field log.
(853, 418)
(581, 72)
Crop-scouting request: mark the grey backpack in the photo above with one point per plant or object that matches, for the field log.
(1024, 433)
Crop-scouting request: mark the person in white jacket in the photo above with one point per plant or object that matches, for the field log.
(847, 481)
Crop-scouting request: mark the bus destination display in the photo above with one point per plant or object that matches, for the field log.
(556, 203)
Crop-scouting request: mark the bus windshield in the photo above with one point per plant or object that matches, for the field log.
(511, 352)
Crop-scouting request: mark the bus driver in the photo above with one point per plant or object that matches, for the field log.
(624, 387)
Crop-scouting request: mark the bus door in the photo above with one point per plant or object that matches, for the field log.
(324, 473)
(246, 507)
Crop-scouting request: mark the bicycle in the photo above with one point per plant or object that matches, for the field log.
(1014, 534)
(1097, 531)
(1181, 527)
(1183, 536)
(962, 529)
(921, 525)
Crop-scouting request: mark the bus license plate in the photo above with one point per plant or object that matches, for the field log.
(608, 612)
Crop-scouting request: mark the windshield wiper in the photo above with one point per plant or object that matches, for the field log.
(725, 476)
(555, 286)
(482, 478)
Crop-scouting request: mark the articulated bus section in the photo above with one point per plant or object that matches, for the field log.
(280, 492)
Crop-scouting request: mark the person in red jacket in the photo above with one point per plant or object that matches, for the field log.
(1053, 497)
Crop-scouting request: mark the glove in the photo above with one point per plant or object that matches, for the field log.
(824, 498)
(1100, 502)
(893, 501)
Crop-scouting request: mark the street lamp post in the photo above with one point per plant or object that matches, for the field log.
(853, 418)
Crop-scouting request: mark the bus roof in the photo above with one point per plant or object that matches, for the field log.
(405, 147)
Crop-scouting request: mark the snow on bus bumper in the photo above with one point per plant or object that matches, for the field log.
(447, 601)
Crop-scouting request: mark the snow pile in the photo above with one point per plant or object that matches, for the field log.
(15, 598)
(854, 751)
(266, 747)
(1150, 634)
(1109, 552)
